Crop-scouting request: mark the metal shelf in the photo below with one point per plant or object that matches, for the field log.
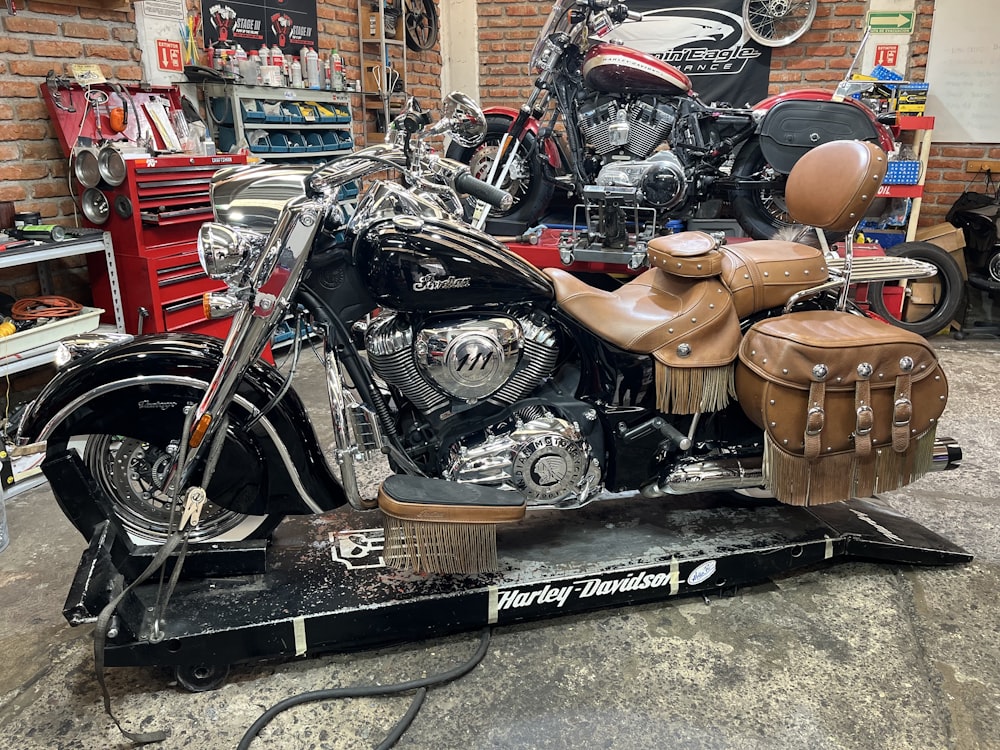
(40, 254)
(236, 93)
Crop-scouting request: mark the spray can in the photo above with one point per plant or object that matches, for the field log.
(338, 70)
(311, 70)
(327, 75)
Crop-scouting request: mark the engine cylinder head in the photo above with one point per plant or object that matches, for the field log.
(649, 126)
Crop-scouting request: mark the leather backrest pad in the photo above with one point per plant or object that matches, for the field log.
(832, 186)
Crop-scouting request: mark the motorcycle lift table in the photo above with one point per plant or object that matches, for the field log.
(320, 585)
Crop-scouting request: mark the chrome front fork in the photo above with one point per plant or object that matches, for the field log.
(274, 279)
(356, 432)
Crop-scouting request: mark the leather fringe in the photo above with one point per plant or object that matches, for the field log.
(796, 480)
(425, 547)
(691, 390)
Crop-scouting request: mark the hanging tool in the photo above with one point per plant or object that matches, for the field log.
(95, 98)
(118, 116)
(55, 83)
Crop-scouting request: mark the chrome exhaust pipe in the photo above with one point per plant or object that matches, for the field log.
(747, 472)
(714, 475)
(947, 455)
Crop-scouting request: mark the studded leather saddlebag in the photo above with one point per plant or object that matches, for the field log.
(848, 405)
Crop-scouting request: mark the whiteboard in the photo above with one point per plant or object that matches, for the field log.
(963, 70)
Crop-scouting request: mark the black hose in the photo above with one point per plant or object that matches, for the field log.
(338, 335)
(368, 691)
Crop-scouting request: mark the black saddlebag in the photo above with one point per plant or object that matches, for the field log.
(791, 128)
(849, 405)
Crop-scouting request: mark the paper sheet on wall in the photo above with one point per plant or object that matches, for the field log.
(962, 64)
(158, 19)
(161, 121)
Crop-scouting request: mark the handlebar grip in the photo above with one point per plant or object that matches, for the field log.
(466, 183)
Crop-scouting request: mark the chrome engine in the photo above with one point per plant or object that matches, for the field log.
(640, 126)
(454, 364)
(659, 181)
(461, 360)
(546, 459)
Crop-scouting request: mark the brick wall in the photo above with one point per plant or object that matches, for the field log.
(819, 58)
(33, 171)
(40, 38)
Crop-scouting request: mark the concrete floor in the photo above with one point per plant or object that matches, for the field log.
(852, 656)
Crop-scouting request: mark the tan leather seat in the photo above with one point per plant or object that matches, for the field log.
(656, 313)
(765, 273)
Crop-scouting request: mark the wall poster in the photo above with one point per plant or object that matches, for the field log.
(290, 24)
(706, 42)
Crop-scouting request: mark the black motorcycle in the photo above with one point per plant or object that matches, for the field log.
(494, 388)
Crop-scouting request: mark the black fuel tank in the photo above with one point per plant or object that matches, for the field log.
(413, 264)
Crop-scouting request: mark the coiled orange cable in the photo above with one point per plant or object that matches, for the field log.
(50, 306)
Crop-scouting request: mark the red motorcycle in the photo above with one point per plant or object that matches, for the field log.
(641, 147)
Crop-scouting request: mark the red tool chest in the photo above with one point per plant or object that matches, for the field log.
(155, 216)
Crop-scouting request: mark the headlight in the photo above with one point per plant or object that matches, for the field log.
(223, 251)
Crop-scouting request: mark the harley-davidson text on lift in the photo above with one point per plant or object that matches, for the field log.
(584, 589)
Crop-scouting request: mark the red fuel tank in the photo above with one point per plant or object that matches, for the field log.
(614, 69)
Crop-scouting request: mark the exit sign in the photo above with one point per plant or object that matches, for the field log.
(891, 22)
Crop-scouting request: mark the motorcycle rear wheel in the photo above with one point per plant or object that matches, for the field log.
(529, 183)
(761, 212)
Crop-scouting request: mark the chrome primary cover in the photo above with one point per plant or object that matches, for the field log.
(545, 459)
(469, 359)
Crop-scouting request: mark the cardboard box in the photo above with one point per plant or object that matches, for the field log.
(372, 25)
(944, 235)
(948, 237)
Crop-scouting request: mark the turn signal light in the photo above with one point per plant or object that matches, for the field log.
(200, 428)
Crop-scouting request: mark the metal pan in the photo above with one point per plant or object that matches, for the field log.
(111, 165)
(86, 166)
(95, 206)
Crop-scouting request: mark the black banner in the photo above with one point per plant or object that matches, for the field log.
(707, 43)
(290, 24)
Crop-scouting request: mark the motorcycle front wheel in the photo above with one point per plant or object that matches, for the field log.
(131, 473)
(529, 181)
(421, 24)
(777, 23)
